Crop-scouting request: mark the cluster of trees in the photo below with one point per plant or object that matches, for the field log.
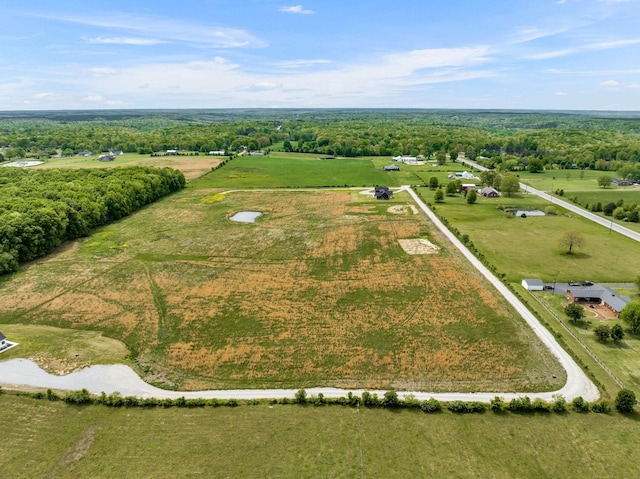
(39, 209)
(619, 210)
(502, 141)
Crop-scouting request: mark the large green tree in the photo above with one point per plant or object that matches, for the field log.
(574, 311)
(630, 314)
(572, 240)
(509, 184)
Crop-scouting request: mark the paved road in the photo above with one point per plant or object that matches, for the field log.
(571, 207)
(121, 378)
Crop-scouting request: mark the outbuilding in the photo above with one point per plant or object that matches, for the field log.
(532, 284)
(3, 342)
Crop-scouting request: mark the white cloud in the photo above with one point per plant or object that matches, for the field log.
(126, 41)
(298, 9)
(100, 100)
(561, 93)
(610, 83)
(584, 48)
(102, 71)
(634, 85)
(265, 85)
(164, 29)
(302, 63)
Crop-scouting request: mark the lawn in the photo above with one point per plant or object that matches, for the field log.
(621, 358)
(61, 351)
(317, 292)
(567, 180)
(528, 247)
(52, 439)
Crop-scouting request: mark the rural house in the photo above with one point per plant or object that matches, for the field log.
(382, 193)
(489, 192)
(3, 342)
(391, 168)
(106, 158)
(599, 294)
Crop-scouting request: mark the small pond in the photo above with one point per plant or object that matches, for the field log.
(246, 216)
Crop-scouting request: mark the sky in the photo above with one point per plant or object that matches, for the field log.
(516, 54)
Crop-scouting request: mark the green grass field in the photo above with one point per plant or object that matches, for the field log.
(59, 441)
(60, 351)
(567, 180)
(280, 170)
(295, 170)
(317, 292)
(621, 358)
(528, 247)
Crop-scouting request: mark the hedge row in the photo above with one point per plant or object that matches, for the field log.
(389, 400)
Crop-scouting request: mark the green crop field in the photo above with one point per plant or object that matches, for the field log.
(295, 170)
(528, 247)
(52, 439)
(318, 292)
(567, 180)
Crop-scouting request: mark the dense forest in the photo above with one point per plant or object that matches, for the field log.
(508, 141)
(39, 209)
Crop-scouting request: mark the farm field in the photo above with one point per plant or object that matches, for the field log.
(528, 247)
(567, 180)
(294, 170)
(52, 439)
(191, 166)
(317, 292)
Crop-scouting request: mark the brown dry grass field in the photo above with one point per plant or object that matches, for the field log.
(191, 166)
(317, 292)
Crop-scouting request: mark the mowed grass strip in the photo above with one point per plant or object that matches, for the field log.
(53, 439)
(317, 292)
(529, 247)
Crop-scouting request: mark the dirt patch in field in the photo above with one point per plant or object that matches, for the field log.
(403, 209)
(75, 452)
(418, 246)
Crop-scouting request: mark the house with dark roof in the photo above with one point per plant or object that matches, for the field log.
(599, 294)
(489, 192)
(382, 193)
(106, 158)
(3, 342)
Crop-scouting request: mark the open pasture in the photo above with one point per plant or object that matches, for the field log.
(52, 439)
(280, 170)
(191, 166)
(317, 292)
(528, 247)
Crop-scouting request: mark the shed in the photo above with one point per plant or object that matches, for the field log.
(391, 168)
(532, 284)
(3, 341)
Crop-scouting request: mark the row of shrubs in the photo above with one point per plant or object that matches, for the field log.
(624, 402)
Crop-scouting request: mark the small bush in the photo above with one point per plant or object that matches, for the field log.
(601, 407)
(431, 405)
(521, 404)
(625, 401)
(410, 401)
(559, 403)
(390, 399)
(579, 405)
(301, 397)
(540, 405)
(497, 404)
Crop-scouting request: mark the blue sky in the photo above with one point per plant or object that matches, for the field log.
(536, 54)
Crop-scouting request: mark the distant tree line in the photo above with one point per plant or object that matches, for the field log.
(39, 209)
(506, 142)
